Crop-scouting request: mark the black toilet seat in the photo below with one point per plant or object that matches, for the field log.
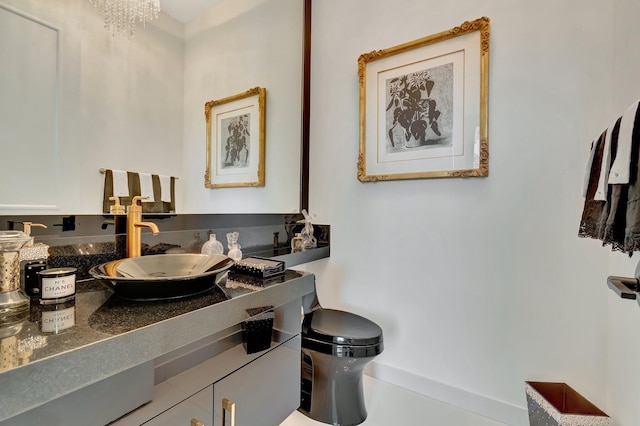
(341, 333)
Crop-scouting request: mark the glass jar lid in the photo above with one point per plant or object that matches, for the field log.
(13, 240)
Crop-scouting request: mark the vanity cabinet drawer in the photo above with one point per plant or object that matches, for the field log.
(198, 407)
(262, 393)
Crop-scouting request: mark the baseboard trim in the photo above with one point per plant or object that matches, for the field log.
(501, 411)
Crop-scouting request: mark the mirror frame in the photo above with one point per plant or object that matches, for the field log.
(306, 98)
(305, 115)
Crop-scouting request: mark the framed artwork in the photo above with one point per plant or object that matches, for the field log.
(236, 140)
(423, 107)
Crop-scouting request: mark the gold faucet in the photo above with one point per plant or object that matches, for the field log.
(134, 227)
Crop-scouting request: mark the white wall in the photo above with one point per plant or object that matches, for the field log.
(120, 103)
(479, 284)
(623, 378)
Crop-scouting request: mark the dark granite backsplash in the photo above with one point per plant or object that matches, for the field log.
(81, 256)
(83, 241)
(84, 252)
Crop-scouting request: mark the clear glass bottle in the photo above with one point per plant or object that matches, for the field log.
(234, 248)
(308, 240)
(213, 246)
(296, 243)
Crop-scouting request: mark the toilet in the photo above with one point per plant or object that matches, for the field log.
(336, 347)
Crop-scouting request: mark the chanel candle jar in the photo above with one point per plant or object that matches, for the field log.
(57, 285)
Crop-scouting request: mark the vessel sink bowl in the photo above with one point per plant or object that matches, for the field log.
(163, 276)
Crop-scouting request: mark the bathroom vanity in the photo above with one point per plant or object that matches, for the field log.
(155, 363)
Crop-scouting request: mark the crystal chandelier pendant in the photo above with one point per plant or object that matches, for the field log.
(121, 16)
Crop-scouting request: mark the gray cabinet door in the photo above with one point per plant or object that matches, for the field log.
(262, 393)
(30, 85)
(198, 407)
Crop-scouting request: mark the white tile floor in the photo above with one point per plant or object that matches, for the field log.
(391, 405)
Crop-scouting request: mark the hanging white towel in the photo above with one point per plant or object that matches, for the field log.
(120, 183)
(620, 170)
(601, 191)
(146, 186)
(165, 188)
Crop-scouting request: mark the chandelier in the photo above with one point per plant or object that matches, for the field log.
(120, 16)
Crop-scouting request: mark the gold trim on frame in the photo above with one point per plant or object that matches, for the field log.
(261, 94)
(481, 25)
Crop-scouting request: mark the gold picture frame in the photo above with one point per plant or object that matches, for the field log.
(423, 107)
(236, 140)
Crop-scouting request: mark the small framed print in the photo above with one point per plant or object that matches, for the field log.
(423, 107)
(236, 140)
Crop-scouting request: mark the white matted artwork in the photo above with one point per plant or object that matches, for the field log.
(236, 140)
(423, 107)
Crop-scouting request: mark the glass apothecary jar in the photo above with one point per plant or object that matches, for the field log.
(14, 303)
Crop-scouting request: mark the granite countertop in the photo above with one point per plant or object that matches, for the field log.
(98, 334)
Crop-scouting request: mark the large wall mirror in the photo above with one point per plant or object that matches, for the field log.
(77, 99)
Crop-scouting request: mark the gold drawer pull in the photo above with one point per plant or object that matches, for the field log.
(195, 422)
(228, 405)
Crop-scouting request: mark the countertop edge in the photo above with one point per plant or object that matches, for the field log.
(64, 373)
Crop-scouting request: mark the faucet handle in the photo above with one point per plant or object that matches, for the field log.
(136, 198)
(135, 205)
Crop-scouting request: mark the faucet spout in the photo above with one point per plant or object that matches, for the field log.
(134, 228)
(152, 226)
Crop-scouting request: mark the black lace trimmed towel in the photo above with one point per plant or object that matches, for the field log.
(611, 210)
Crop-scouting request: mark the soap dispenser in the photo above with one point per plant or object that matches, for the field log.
(33, 258)
(27, 230)
(116, 208)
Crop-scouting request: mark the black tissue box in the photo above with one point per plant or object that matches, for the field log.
(257, 330)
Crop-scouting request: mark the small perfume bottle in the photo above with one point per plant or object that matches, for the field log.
(234, 248)
(213, 246)
(296, 243)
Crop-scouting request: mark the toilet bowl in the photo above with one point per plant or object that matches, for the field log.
(336, 347)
